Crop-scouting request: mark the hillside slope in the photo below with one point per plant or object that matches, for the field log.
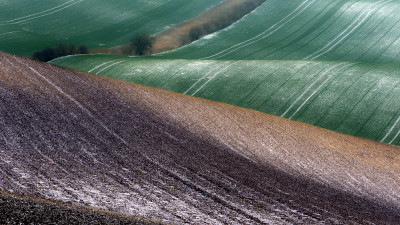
(27, 26)
(20, 209)
(331, 64)
(359, 99)
(78, 137)
(341, 30)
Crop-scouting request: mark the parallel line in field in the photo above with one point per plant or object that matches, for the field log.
(116, 178)
(204, 76)
(345, 30)
(356, 104)
(371, 33)
(392, 42)
(311, 86)
(389, 47)
(342, 94)
(200, 178)
(260, 84)
(391, 130)
(260, 36)
(12, 180)
(378, 106)
(174, 79)
(12, 32)
(281, 43)
(395, 137)
(170, 173)
(336, 76)
(392, 127)
(343, 35)
(45, 11)
(216, 74)
(315, 91)
(87, 111)
(98, 66)
(110, 66)
(321, 32)
(284, 83)
(39, 15)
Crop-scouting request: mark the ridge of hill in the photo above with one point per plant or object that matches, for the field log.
(210, 21)
(359, 99)
(28, 26)
(72, 136)
(326, 63)
(342, 30)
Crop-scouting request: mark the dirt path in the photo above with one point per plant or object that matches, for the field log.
(208, 22)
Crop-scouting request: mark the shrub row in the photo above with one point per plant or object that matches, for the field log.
(48, 53)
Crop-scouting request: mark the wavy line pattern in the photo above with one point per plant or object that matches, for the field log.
(344, 34)
(79, 21)
(25, 19)
(326, 94)
(310, 30)
(292, 15)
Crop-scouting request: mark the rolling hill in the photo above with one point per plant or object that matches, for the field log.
(21, 209)
(73, 136)
(94, 23)
(325, 63)
(359, 99)
(355, 30)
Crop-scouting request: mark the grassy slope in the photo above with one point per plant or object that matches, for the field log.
(27, 26)
(74, 136)
(359, 99)
(366, 31)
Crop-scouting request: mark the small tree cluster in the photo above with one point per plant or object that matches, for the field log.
(141, 44)
(48, 54)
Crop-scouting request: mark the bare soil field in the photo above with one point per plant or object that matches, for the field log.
(109, 144)
(22, 209)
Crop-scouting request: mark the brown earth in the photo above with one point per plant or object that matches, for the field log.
(110, 144)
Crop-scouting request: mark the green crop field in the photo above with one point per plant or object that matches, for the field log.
(332, 64)
(340, 30)
(27, 26)
(360, 99)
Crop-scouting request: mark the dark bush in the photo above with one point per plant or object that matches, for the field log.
(61, 50)
(141, 44)
(83, 49)
(196, 33)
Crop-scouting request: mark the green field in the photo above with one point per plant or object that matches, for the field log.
(360, 99)
(327, 63)
(27, 26)
(340, 30)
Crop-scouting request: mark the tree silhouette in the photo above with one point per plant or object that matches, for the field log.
(141, 44)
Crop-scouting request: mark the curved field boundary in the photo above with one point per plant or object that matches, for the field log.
(27, 26)
(74, 136)
(359, 99)
(356, 30)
